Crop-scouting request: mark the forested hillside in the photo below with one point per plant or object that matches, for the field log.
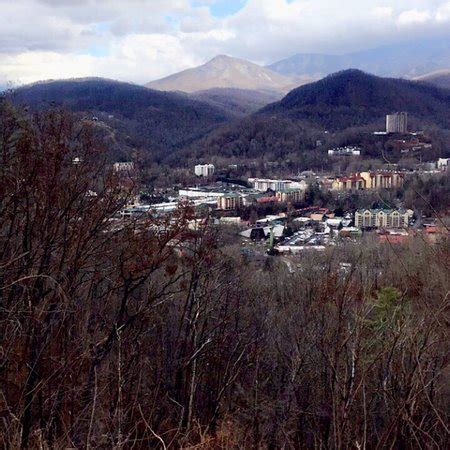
(157, 121)
(354, 98)
(254, 137)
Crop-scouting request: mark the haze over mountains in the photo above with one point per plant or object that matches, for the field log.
(238, 102)
(405, 60)
(226, 72)
(441, 78)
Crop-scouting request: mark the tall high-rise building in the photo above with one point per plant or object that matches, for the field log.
(397, 122)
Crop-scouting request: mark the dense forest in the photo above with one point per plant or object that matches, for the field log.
(149, 333)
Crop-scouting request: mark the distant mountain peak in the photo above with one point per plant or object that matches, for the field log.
(222, 58)
(225, 71)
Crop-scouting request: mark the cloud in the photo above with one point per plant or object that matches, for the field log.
(140, 40)
(138, 58)
(414, 17)
(443, 13)
(382, 12)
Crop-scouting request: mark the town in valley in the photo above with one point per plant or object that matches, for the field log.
(309, 210)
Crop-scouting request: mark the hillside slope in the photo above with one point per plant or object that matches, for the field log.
(143, 117)
(354, 98)
(225, 72)
(238, 102)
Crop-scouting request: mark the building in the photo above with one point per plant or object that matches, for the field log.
(264, 184)
(77, 161)
(230, 202)
(435, 232)
(382, 180)
(410, 144)
(321, 214)
(269, 199)
(345, 151)
(290, 195)
(204, 170)
(368, 180)
(127, 166)
(382, 218)
(335, 223)
(443, 163)
(397, 122)
(394, 237)
(190, 193)
(350, 183)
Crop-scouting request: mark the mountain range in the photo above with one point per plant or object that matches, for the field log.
(403, 60)
(174, 127)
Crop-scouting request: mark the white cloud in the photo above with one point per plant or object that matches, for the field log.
(382, 12)
(39, 65)
(140, 40)
(414, 17)
(443, 13)
(138, 58)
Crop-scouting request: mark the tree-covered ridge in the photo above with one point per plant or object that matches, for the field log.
(176, 129)
(156, 120)
(354, 98)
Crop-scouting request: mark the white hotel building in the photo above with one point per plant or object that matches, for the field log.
(204, 170)
(264, 184)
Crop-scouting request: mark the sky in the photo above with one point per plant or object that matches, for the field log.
(143, 40)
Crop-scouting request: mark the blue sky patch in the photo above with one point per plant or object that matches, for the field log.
(223, 8)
